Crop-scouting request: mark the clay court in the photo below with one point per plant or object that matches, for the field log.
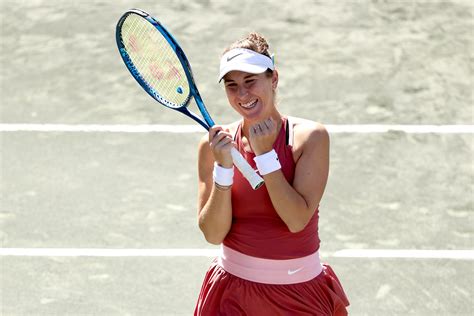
(99, 182)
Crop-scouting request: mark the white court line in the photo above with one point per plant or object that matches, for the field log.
(405, 253)
(106, 252)
(163, 128)
(119, 128)
(344, 253)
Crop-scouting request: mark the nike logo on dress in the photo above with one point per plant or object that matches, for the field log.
(291, 272)
(230, 58)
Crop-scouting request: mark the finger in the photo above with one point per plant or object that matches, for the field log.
(257, 130)
(218, 133)
(221, 137)
(213, 131)
(252, 130)
(270, 123)
(263, 128)
(223, 144)
(216, 128)
(267, 123)
(266, 127)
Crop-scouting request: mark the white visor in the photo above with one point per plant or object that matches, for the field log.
(245, 60)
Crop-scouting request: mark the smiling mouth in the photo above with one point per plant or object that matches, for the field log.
(249, 105)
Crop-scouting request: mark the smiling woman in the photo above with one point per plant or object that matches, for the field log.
(270, 262)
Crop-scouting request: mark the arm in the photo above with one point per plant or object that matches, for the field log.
(296, 204)
(214, 204)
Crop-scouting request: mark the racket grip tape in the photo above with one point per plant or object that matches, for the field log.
(247, 171)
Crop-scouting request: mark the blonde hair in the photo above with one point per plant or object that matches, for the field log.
(253, 41)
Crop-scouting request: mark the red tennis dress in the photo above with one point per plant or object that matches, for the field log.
(258, 233)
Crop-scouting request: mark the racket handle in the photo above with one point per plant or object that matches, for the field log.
(247, 171)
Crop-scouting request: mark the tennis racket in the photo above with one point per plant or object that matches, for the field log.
(157, 62)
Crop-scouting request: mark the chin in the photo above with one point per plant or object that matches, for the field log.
(254, 115)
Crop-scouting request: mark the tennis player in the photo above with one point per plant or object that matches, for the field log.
(269, 263)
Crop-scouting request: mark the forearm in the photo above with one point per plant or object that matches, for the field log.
(288, 203)
(295, 203)
(215, 218)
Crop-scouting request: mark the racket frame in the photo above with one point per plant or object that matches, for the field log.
(193, 91)
(252, 176)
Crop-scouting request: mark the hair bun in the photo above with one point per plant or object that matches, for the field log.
(253, 41)
(259, 41)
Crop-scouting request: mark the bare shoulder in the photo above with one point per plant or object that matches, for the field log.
(308, 132)
(309, 137)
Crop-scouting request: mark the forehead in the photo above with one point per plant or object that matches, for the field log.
(237, 75)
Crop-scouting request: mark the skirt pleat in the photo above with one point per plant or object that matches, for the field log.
(225, 294)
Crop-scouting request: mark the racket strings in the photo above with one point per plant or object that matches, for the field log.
(155, 60)
(143, 56)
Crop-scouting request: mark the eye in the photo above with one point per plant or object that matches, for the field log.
(231, 86)
(249, 82)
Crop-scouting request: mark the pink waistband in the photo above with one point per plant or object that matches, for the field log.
(269, 271)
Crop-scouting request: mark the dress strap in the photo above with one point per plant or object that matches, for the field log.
(237, 131)
(289, 131)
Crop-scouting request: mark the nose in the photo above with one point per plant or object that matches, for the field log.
(242, 92)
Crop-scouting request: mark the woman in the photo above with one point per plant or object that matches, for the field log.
(269, 263)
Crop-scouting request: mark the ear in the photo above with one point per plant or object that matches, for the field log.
(274, 79)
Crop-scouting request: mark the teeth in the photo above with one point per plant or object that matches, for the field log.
(249, 104)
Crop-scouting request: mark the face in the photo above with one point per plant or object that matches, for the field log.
(251, 95)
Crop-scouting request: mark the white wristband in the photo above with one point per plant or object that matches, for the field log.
(223, 176)
(267, 162)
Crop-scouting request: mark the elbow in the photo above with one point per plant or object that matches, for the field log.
(211, 237)
(297, 227)
(299, 223)
(213, 240)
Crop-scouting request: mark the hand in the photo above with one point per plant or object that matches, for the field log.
(221, 143)
(263, 135)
